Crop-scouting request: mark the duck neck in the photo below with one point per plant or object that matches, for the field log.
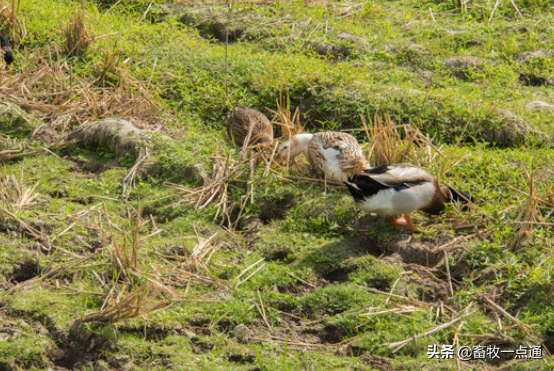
(302, 141)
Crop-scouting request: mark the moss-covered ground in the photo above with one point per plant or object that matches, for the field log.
(276, 273)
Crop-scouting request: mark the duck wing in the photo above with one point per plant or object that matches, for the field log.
(345, 143)
(341, 146)
(396, 175)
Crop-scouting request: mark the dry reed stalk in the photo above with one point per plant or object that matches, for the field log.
(201, 250)
(391, 143)
(400, 309)
(137, 303)
(51, 272)
(124, 258)
(76, 35)
(530, 214)
(237, 283)
(14, 196)
(14, 154)
(347, 10)
(261, 310)
(492, 305)
(403, 298)
(290, 123)
(8, 17)
(400, 344)
(40, 237)
(110, 63)
(52, 89)
(494, 10)
(230, 4)
(490, 338)
(129, 180)
(214, 190)
(177, 274)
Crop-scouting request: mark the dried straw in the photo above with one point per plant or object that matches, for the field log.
(49, 87)
(76, 35)
(390, 143)
(136, 303)
(9, 18)
(290, 123)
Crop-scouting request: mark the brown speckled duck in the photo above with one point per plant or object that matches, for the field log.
(250, 126)
(334, 155)
(390, 190)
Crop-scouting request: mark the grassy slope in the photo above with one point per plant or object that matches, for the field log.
(321, 239)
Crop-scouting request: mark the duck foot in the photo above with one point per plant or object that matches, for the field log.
(411, 226)
(398, 222)
(404, 222)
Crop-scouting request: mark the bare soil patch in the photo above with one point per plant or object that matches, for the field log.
(24, 271)
(81, 347)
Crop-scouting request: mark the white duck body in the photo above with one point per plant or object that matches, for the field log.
(390, 202)
(397, 189)
(334, 155)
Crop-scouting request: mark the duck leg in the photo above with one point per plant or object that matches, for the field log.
(410, 224)
(405, 222)
(400, 222)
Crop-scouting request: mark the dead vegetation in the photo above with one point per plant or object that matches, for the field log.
(14, 194)
(138, 287)
(56, 90)
(135, 280)
(76, 36)
(537, 207)
(390, 143)
(9, 17)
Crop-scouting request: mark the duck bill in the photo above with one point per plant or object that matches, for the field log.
(278, 161)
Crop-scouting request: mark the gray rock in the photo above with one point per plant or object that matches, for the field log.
(349, 37)
(510, 130)
(465, 61)
(326, 49)
(196, 173)
(522, 57)
(13, 118)
(242, 333)
(538, 105)
(427, 75)
(120, 134)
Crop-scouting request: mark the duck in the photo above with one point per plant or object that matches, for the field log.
(247, 126)
(6, 49)
(389, 190)
(334, 155)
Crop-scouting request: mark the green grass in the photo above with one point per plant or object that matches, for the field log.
(324, 262)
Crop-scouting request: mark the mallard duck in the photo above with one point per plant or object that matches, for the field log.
(6, 49)
(250, 126)
(334, 155)
(390, 190)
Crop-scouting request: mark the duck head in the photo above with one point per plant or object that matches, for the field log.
(453, 195)
(291, 148)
